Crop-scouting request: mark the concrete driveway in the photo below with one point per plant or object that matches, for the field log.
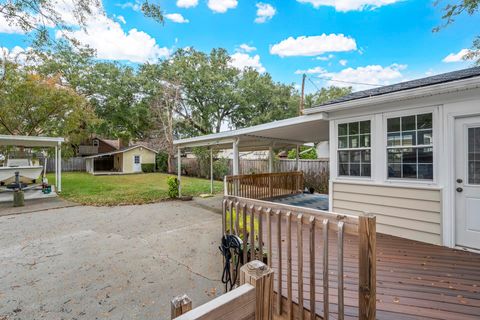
(108, 262)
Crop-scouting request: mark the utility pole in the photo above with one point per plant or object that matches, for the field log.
(302, 98)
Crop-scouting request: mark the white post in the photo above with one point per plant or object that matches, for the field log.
(211, 170)
(236, 158)
(56, 168)
(270, 160)
(179, 168)
(59, 167)
(297, 158)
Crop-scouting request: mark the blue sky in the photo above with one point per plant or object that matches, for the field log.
(336, 42)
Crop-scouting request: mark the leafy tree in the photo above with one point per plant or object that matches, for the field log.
(34, 105)
(305, 153)
(37, 16)
(207, 83)
(451, 12)
(326, 94)
(214, 93)
(262, 100)
(114, 90)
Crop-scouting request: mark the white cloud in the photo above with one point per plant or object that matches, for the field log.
(121, 19)
(316, 70)
(245, 48)
(456, 57)
(176, 17)
(313, 45)
(350, 5)
(244, 60)
(187, 3)
(362, 78)
(265, 12)
(8, 27)
(135, 6)
(221, 6)
(325, 58)
(111, 42)
(343, 62)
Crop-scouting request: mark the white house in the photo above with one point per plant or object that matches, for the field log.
(408, 153)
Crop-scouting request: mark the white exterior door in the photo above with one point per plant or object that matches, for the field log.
(137, 163)
(467, 184)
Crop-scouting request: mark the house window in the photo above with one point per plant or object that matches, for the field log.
(95, 143)
(410, 147)
(354, 149)
(137, 159)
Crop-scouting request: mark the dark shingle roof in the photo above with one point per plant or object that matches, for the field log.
(424, 82)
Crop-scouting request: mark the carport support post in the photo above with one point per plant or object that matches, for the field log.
(211, 170)
(297, 157)
(236, 158)
(179, 168)
(270, 160)
(59, 167)
(236, 165)
(56, 168)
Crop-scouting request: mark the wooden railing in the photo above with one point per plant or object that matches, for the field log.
(264, 185)
(266, 229)
(253, 299)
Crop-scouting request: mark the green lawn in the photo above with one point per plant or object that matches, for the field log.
(87, 189)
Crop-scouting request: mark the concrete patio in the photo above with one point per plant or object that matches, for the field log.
(108, 262)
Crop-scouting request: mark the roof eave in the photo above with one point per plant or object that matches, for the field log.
(436, 89)
(232, 135)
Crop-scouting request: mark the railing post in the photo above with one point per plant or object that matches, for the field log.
(367, 267)
(180, 305)
(260, 276)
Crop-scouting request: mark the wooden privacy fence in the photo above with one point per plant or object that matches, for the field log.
(68, 165)
(303, 246)
(253, 299)
(264, 185)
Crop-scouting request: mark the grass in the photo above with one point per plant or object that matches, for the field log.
(240, 223)
(87, 189)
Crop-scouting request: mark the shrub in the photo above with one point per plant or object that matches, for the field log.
(173, 184)
(305, 153)
(220, 168)
(161, 161)
(148, 167)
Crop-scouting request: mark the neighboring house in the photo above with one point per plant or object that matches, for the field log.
(98, 145)
(408, 153)
(123, 161)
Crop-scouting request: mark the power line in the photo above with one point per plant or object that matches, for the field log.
(351, 82)
(318, 89)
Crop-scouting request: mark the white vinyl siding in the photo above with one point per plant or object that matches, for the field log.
(408, 212)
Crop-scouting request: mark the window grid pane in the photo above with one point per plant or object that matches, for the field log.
(410, 147)
(354, 142)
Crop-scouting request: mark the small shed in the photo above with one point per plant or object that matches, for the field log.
(124, 161)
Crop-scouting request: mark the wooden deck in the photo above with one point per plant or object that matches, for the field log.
(414, 280)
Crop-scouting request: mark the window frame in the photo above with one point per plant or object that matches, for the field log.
(435, 145)
(95, 142)
(338, 122)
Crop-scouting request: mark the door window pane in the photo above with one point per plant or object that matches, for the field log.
(474, 155)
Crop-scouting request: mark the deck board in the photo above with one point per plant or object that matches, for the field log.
(414, 280)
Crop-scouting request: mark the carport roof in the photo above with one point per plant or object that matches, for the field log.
(282, 133)
(30, 141)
